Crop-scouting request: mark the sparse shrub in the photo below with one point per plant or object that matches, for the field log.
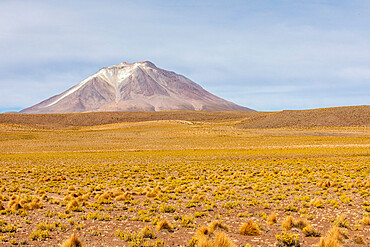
(3, 238)
(134, 239)
(287, 239)
(8, 228)
(187, 221)
(309, 231)
(192, 242)
(317, 202)
(200, 214)
(40, 234)
(49, 214)
(165, 208)
(291, 208)
(13, 242)
(79, 226)
(147, 232)
(300, 223)
(23, 242)
(95, 233)
(341, 221)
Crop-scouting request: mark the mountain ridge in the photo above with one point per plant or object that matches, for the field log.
(139, 86)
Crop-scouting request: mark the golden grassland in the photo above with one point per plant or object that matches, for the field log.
(184, 183)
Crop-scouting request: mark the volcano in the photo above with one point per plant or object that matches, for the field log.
(137, 86)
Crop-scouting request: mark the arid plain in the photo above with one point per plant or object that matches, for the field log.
(186, 178)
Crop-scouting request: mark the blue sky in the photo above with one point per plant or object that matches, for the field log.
(266, 55)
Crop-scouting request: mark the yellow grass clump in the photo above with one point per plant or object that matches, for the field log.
(334, 238)
(317, 202)
(164, 225)
(73, 241)
(222, 240)
(17, 202)
(366, 220)
(289, 222)
(309, 231)
(250, 229)
(204, 238)
(272, 219)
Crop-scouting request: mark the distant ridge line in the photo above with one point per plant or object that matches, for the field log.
(323, 117)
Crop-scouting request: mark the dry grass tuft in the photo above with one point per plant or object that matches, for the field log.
(147, 232)
(366, 220)
(201, 232)
(73, 241)
(222, 240)
(204, 241)
(317, 202)
(357, 239)
(215, 225)
(300, 223)
(123, 196)
(16, 203)
(73, 205)
(249, 229)
(338, 234)
(334, 238)
(164, 225)
(287, 224)
(342, 221)
(272, 219)
(324, 242)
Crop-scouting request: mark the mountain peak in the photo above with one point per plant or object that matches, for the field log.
(125, 65)
(139, 86)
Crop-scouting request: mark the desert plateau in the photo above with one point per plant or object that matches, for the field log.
(185, 179)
